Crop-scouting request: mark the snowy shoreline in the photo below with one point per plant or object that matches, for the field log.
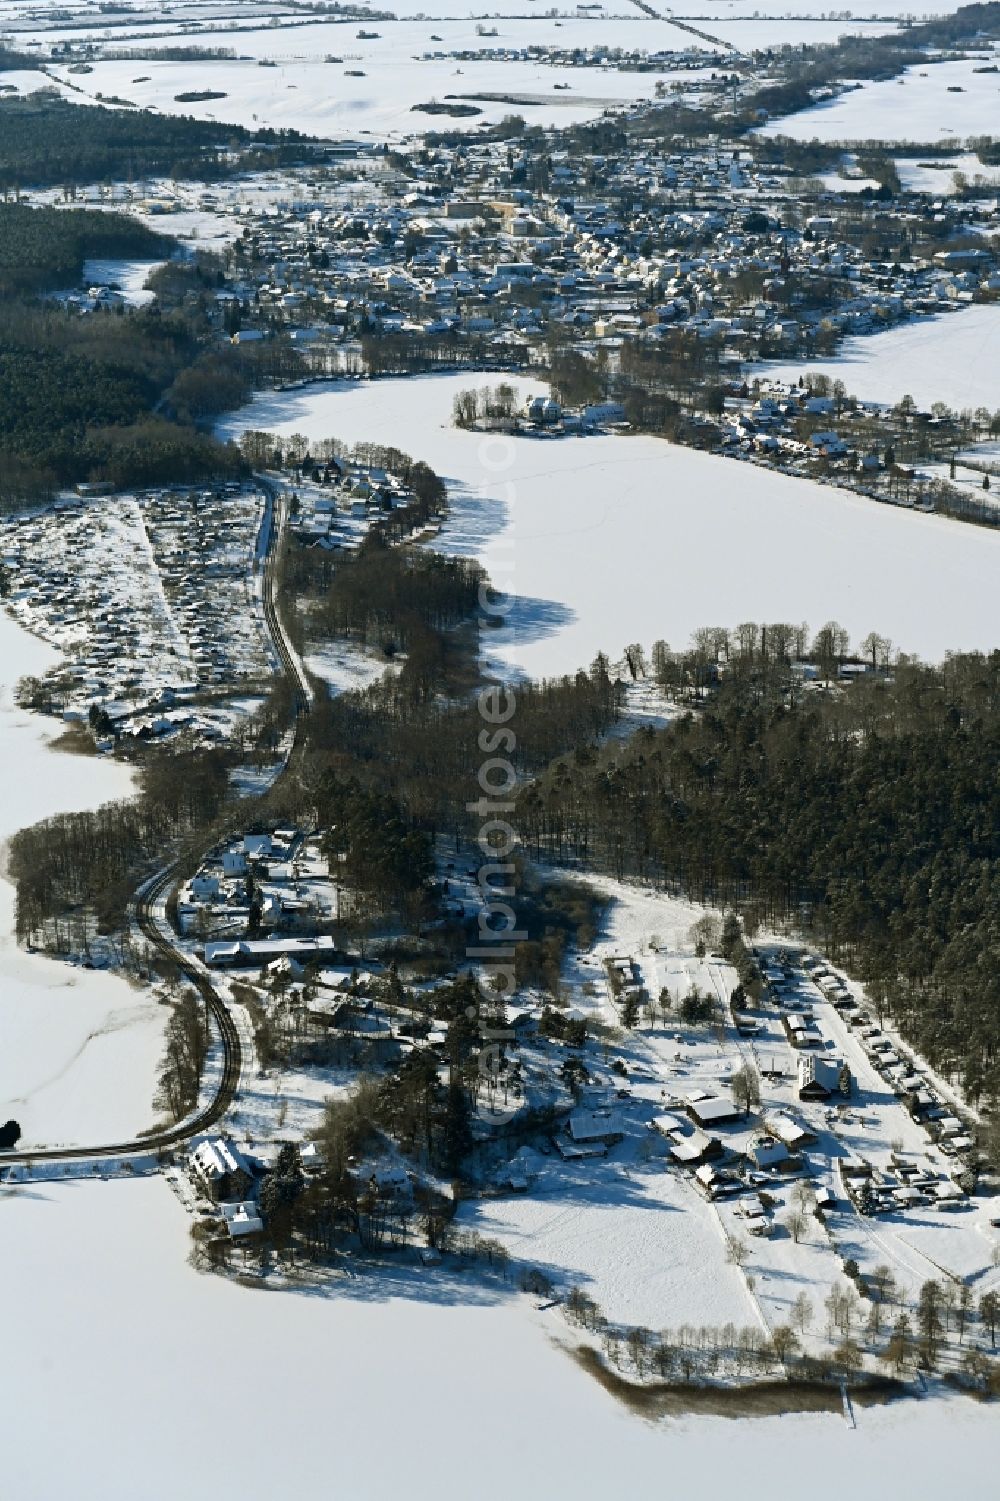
(64, 1031)
(608, 539)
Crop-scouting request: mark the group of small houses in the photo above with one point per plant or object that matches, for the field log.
(227, 1179)
(820, 1077)
(269, 894)
(341, 499)
(543, 414)
(907, 1080)
(908, 1183)
(708, 1135)
(150, 612)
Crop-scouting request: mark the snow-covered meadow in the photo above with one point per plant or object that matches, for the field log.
(610, 539)
(636, 1238)
(920, 105)
(954, 358)
(127, 277)
(78, 1048)
(938, 176)
(333, 76)
(361, 94)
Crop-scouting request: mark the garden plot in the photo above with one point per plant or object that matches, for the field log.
(148, 598)
(85, 579)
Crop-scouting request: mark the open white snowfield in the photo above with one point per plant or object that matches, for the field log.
(122, 1367)
(336, 76)
(954, 358)
(637, 1239)
(920, 105)
(609, 539)
(78, 1048)
(127, 277)
(367, 95)
(938, 176)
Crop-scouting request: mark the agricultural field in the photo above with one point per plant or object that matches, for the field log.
(950, 358)
(932, 103)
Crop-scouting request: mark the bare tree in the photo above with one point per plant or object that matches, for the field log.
(785, 1342)
(802, 1312)
(745, 1084)
(795, 1224)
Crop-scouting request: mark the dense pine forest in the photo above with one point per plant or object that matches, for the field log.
(114, 394)
(45, 141)
(42, 249)
(866, 815)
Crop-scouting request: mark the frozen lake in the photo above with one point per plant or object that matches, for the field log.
(607, 540)
(354, 1387)
(78, 1049)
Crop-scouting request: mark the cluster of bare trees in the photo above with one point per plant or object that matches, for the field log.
(185, 1050)
(76, 870)
(485, 406)
(898, 1338)
(689, 1353)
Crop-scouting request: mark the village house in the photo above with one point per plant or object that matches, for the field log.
(820, 1078)
(221, 1168)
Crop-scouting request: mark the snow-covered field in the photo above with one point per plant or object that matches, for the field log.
(938, 176)
(350, 1389)
(78, 1049)
(636, 1238)
(916, 106)
(129, 277)
(329, 99)
(606, 540)
(343, 667)
(331, 77)
(955, 359)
